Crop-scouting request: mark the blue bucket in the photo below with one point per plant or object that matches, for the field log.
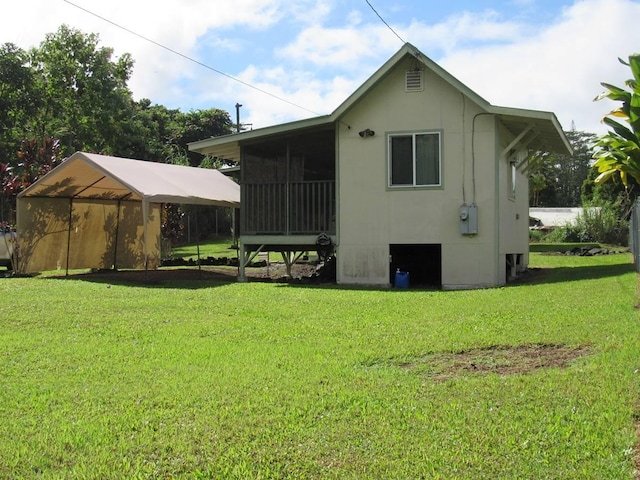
(402, 279)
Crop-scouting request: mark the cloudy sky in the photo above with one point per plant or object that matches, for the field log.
(290, 59)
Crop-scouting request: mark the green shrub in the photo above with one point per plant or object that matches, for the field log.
(602, 224)
(563, 234)
(536, 236)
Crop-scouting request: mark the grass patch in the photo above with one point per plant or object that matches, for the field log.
(220, 247)
(211, 379)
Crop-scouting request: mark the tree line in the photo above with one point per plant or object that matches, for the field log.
(557, 180)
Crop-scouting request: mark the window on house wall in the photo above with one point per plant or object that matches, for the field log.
(519, 158)
(513, 171)
(414, 159)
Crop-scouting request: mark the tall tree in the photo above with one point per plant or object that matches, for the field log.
(18, 100)
(157, 133)
(574, 169)
(146, 132)
(556, 180)
(84, 91)
(200, 124)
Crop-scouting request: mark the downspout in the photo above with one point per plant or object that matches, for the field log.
(240, 251)
(498, 199)
(336, 194)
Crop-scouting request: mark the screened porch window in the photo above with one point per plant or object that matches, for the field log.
(414, 159)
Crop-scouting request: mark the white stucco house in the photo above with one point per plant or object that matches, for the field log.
(414, 171)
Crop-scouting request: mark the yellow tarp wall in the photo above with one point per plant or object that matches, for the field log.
(103, 234)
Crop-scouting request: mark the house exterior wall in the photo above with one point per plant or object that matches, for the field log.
(373, 216)
(513, 206)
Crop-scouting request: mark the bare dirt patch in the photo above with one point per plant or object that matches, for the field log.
(499, 359)
(207, 274)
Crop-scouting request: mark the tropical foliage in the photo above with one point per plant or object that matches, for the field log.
(618, 151)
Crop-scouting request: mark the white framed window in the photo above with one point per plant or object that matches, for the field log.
(415, 159)
(513, 172)
(519, 158)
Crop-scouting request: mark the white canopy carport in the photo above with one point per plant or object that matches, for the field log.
(97, 211)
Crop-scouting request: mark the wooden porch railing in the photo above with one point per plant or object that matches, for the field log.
(288, 209)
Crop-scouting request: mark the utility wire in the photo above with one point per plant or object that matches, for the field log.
(383, 21)
(186, 57)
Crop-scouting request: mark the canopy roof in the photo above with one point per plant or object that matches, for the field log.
(89, 175)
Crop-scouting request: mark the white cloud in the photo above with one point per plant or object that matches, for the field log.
(462, 29)
(558, 68)
(174, 23)
(339, 47)
(310, 12)
(305, 95)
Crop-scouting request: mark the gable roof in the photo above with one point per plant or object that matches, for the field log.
(540, 129)
(89, 175)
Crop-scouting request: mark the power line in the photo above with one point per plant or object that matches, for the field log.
(384, 21)
(186, 57)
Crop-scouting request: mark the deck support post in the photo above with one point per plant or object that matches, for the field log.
(242, 277)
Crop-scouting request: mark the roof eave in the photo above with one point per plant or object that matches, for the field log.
(562, 142)
(233, 140)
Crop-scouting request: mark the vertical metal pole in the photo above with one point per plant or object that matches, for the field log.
(287, 193)
(115, 243)
(69, 236)
(198, 240)
(241, 264)
(238, 117)
(234, 237)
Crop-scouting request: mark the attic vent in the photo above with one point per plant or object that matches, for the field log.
(414, 80)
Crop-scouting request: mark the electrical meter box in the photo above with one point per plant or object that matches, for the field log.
(469, 219)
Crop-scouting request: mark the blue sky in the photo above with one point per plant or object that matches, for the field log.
(312, 54)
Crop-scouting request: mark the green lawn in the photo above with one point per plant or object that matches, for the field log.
(218, 248)
(208, 379)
